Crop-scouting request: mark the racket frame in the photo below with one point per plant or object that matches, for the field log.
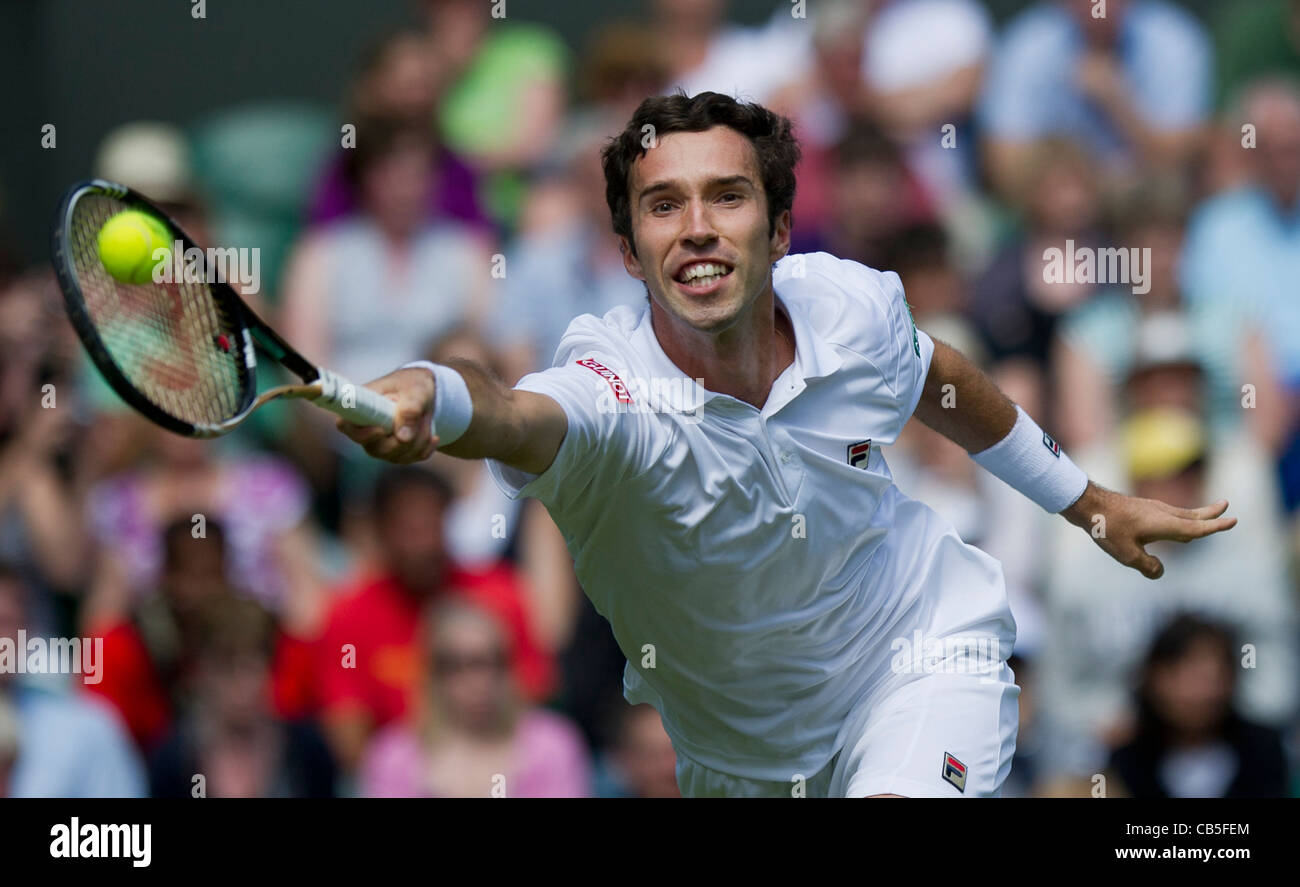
(253, 332)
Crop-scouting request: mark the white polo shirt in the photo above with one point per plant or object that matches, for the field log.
(756, 566)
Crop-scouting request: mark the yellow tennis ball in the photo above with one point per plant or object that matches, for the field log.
(127, 243)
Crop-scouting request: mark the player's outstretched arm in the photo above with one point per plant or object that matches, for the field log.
(519, 428)
(964, 405)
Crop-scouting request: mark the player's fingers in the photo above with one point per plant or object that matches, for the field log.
(362, 434)
(390, 449)
(1204, 512)
(1148, 566)
(429, 449)
(1137, 558)
(413, 428)
(393, 449)
(408, 426)
(1184, 530)
(389, 386)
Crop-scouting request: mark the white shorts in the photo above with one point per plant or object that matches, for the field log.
(937, 735)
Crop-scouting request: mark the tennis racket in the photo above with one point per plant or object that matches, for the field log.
(181, 353)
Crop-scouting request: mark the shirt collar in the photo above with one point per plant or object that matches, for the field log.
(814, 358)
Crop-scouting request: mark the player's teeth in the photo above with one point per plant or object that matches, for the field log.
(706, 270)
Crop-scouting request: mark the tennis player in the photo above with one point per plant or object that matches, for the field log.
(715, 461)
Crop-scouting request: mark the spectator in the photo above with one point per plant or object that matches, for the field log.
(402, 77)
(591, 668)
(923, 62)
(566, 262)
(1133, 84)
(149, 657)
(154, 158)
(1191, 742)
(874, 197)
(705, 53)
(368, 657)
(1097, 341)
(373, 289)
(69, 745)
(260, 501)
(506, 97)
(925, 464)
(232, 739)
(473, 737)
(619, 69)
(937, 292)
(1099, 618)
(1242, 253)
(1014, 305)
(642, 761)
(40, 489)
(822, 104)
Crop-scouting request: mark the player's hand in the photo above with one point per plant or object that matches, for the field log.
(411, 439)
(1123, 525)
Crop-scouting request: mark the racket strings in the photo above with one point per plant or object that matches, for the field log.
(176, 343)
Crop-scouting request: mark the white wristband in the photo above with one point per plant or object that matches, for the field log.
(452, 406)
(1030, 461)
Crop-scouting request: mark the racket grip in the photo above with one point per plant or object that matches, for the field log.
(356, 403)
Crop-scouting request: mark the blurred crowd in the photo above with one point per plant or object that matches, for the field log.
(281, 616)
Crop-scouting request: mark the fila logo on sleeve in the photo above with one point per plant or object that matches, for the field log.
(954, 771)
(859, 453)
(1051, 445)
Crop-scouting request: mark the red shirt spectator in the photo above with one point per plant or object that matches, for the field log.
(137, 682)
(148, 653)
(369, 668)
(369, 654)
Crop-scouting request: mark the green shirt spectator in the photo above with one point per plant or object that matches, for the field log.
(503, 111)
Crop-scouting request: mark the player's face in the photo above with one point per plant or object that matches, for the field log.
(697, 200)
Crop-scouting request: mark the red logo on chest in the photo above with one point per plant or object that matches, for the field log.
(615, 383)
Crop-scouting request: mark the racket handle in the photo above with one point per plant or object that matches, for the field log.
(356, 403)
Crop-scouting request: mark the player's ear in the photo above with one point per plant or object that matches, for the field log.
(779, 243)
(630, 261)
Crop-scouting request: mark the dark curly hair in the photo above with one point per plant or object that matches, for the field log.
(772, 136)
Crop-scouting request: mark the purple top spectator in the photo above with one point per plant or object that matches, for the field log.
(453, 196)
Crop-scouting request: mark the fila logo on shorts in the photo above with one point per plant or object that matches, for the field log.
(1052, 445)
(954, 771)
(858, 454)
(620, 390)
